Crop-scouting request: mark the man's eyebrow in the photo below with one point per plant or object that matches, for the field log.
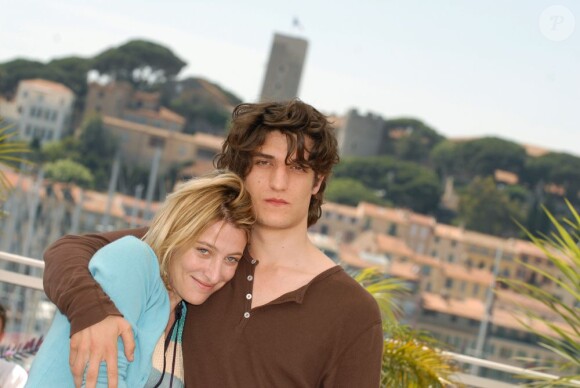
(262, 155)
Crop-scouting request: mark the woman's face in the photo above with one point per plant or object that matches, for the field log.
(197, 272)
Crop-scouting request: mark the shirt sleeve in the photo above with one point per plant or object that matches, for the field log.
(360, 364)
(68, 282)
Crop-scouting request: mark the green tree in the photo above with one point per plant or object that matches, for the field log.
(68, 171)
(562, 337)
(558, 168)
(485, 208)
(405, 184)
(349, 191)
(97, 148)
(415, 143)
(480, 157)
(12, 72)
(140, 62)
(66, 148)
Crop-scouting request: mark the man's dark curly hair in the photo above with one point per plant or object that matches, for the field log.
(295, 119)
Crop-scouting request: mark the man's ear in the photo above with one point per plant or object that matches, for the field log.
(318, 179)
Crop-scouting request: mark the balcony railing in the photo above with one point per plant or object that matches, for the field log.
(33, 281)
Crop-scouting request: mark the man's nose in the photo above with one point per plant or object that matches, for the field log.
(279, 178)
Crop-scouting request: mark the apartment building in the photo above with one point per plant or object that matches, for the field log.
(120, 100)
(142, 144)
(44, 109)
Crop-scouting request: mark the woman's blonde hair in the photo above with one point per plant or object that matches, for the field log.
(192, 208)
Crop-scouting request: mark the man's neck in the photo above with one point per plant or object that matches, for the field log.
(271, 246)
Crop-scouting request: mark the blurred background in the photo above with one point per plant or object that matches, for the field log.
(456, 121)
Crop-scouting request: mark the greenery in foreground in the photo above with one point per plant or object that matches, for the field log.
(10, 155)
(562, 248)
(411, 359)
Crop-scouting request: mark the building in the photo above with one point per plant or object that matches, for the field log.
(361, 135)
(284, 69)
(140, 143)
(44, 109)
(120, 100)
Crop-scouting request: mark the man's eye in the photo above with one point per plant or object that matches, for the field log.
(297, 167)
(261, 162)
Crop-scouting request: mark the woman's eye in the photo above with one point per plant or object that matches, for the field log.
(203, 251)
(232, 260)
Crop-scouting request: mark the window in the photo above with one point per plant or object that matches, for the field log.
(451, 258)
(393, 229)
(425, 270)
(475, 289)
(448, 283)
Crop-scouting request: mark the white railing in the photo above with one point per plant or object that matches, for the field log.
(19, 279)
(483, 382)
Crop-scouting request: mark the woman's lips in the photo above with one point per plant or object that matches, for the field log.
(203, 285)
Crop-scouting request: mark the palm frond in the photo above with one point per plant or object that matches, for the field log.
(561, 331)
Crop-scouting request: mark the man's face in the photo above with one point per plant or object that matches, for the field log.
(280, 193)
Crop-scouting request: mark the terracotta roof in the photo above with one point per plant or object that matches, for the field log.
(393, 245)
(535, 151)
(406, 270)
(163, 114)
(47, 85)
(348, 255)
(199, 168)
(421, 219)
(473, 275)
(398, 216)
(147, 129)
(506, 177)
(346, 210)
(449, 232)
(208, 141)
(484, 240)
(468, 308)
(474, 309)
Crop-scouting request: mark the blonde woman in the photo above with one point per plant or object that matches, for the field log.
(191, 250)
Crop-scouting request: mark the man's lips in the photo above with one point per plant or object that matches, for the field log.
(276, 201)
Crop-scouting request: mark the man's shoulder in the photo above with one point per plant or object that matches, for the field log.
(344, 291)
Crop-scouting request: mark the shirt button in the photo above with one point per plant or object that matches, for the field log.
(248, 296)
(246, 315)
(253, 261)
(250, 278)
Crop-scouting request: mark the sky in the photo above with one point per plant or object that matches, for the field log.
(506, 68)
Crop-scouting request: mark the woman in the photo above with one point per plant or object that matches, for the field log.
(190, 251)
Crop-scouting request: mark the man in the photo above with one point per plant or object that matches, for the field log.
(290, 317)
(11, 375)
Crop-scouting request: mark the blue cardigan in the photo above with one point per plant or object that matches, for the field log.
(128, 271)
